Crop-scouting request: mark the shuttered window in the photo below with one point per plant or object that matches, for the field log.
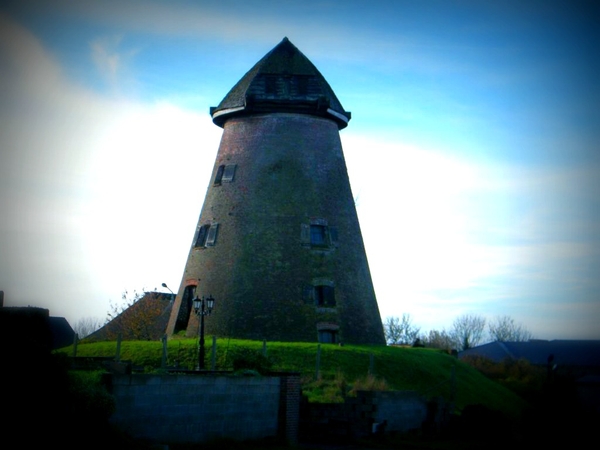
(219, 175)
(229, 173)
(211, 236)
(324, 296)
(270, 85)
(225, 174)
(207, 235)
(318, 234)
(201, 237)
(305, 234)
(301, 85)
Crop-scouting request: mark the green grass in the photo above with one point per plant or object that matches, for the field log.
(427, 371)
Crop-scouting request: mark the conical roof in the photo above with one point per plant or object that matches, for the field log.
(284, 80)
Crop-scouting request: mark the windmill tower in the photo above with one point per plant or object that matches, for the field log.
(278, 242)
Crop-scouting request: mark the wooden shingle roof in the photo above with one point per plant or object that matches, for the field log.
(284, 80)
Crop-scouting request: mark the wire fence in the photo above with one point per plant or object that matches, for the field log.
(222, 357)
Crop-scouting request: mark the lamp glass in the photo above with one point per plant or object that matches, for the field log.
(197, 304)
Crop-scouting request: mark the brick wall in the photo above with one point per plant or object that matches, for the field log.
(194, 408)
(290, 169)
(289, 411)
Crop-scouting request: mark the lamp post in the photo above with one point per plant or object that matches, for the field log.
(165, 286)
(172, 293)
(202, 307)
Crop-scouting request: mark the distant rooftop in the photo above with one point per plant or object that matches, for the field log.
(536, 351)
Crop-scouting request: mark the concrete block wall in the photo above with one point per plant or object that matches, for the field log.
(402, 410)
(195, 408)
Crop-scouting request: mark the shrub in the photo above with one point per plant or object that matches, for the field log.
(369, 383)
(326, 389)
(519, 375)
(89, 398)
(248, 359)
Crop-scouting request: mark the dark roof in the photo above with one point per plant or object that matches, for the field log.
(563, 352)
(151, 312)
(36, 325)
(284, 80)
(62, 332)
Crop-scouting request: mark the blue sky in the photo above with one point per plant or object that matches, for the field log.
(473, 150)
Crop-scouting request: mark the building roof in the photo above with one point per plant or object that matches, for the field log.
(284, 80)
(62, 332)
(145, 319)
(582, 353)
(36, 324)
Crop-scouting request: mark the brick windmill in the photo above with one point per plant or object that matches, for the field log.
(278, 243)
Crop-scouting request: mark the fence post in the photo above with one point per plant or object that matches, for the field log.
(213, 355)
(318, 370)
(75, 340)
(264, 348)
(163, 363)
(118, 355)
(452, 388)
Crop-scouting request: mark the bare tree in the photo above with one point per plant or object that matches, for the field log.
(400, 331)
(505, 329)
(438, 339)
(86, 326)
(467, 331)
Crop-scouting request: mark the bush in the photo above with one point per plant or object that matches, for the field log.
(248, 359)
(369, 383)
(89, 397)
(326, 389)
(520, 376)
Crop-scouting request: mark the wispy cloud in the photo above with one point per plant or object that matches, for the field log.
(87, 189)
(109, 58)
(458, 128)
(472, 235)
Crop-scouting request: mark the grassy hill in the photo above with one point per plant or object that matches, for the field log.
(329, 371)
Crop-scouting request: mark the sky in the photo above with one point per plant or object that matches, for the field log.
(473, 150)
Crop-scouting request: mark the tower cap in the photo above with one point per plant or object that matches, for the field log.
(284, 80)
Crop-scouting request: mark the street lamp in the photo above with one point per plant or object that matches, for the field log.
(165, 286)
(202, 307)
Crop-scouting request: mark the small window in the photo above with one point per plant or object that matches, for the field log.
(271, 85)
(318, 235)
(301, 85)
(207, 235)
(229, 173)
(286, 86)
(201, 238)
(219, 175)
(225, 174)
(211, 236)
(324, 296)
(328, 336)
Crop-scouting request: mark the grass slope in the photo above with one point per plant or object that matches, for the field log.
(329, 371)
